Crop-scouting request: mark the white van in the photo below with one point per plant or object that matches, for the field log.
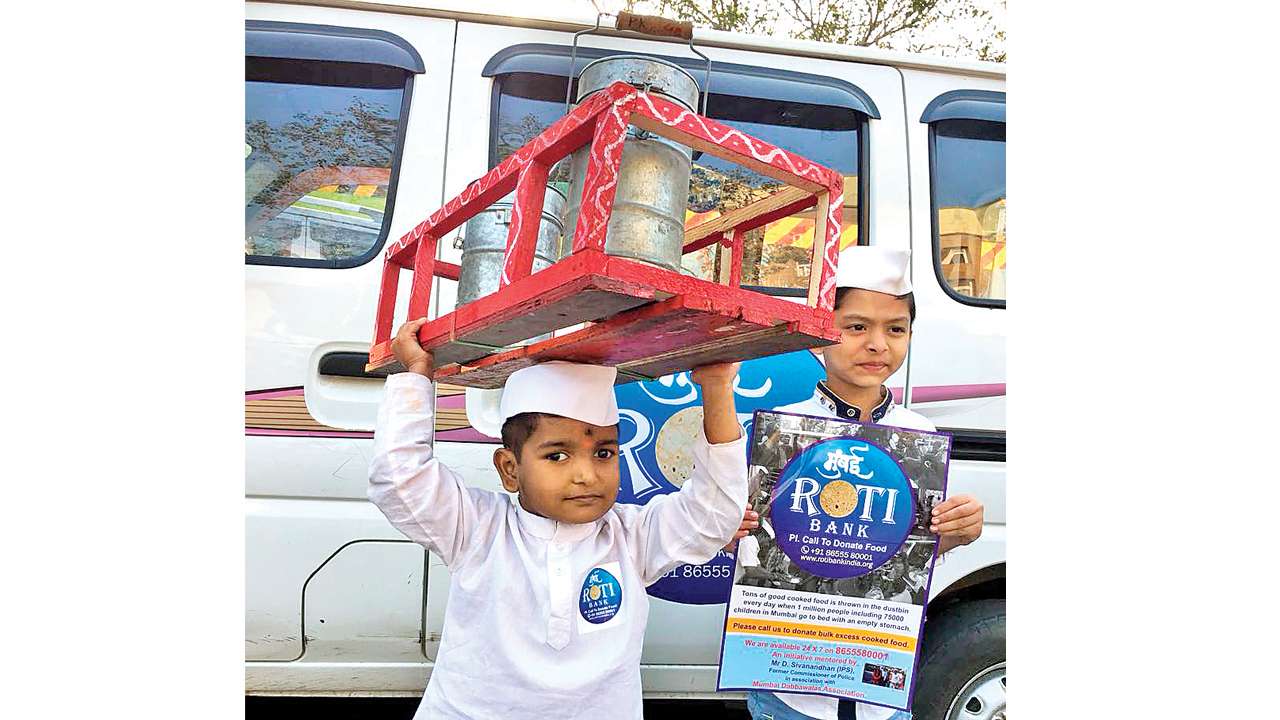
(360, 122)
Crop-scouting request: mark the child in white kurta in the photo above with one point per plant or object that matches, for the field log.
(545, 618)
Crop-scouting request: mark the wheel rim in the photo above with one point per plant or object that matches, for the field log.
(982, 698)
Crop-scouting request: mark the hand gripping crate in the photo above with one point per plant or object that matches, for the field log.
(645, 320)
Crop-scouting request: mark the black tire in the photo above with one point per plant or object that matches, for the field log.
(959, 643)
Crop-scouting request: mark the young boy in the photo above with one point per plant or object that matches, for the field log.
(547, 605)
(874, 311)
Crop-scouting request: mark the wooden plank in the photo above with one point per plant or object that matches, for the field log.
(382, 361)
(675, 334)
(562, 279)
(724, 269)
(424, 274)
(522, 235)
(736, 243)
(532, 307)
(754, 306)
(734, 348)
(817, 257)
(600, 183)
(386, 302)
(585, 306)
(788, 197)
(835, 210)
(537, 304)
(447, 270)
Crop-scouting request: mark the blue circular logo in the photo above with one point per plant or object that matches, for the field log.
(842, 508)
(601, 596)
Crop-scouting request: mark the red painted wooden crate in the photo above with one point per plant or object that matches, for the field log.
(645, 320)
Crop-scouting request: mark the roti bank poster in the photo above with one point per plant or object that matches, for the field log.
(828, 593)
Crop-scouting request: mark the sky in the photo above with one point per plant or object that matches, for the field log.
(585, 11)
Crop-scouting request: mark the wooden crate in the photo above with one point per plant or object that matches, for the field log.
(645, 320)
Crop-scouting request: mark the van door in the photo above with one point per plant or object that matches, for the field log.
(510, 84)
(344, 117)
(956, 129)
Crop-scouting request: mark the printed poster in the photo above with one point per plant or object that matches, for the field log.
(828, 593)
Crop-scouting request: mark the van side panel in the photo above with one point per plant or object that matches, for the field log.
(304, 480)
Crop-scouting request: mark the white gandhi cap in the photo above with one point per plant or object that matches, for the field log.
(872, 267)
(572, 390)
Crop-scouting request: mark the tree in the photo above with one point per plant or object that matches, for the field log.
(957, 28)
(362, 135)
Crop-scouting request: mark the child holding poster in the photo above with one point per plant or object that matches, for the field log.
(874, 310)
(547, 604)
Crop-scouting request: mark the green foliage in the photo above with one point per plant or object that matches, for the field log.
(955, 28)
(362, 135)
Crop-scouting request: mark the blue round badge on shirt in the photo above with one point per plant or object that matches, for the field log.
(841, 508)
(601, 596)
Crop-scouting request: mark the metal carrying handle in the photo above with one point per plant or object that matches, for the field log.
(652, 25)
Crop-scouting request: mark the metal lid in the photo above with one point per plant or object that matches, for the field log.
(660, 76)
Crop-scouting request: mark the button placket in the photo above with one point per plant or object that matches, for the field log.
(560, 594)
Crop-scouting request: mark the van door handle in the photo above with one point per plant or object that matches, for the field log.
(346, 364)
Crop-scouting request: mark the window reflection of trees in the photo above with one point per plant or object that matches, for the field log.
(324, 217)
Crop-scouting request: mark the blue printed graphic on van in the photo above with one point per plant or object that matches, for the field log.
(601, 596)
(658, 421)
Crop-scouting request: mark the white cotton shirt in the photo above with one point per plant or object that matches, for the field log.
(517, 641)
(821, 706)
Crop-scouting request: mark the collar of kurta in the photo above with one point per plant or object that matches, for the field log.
(548, 529)
(841, 409)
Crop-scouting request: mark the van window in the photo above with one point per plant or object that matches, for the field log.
(776, 257)
(322, 140)
(969, 208)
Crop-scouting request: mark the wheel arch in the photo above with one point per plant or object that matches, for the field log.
(982, 584)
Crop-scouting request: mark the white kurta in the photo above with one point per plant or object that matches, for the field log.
(525, 635)
(821, 706)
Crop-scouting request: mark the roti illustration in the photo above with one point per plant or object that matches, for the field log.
(594, 592)
(674, 450)
(838, 498)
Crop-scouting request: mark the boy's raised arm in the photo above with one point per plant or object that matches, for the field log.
(421, 497)
(719, 421)
(692, 525)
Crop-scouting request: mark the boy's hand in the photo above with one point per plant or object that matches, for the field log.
(409, 351)
(719, 373)
(750, 521)
(719, 423)
(958, 521)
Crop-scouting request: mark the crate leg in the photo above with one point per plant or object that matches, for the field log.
(424, 271)
(601, 182)
(385, 313)
(735, 261)
(831, 213)
(526, 218)
(818, 269)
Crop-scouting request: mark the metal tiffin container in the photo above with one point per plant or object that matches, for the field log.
(484, 244)
(652, 193)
